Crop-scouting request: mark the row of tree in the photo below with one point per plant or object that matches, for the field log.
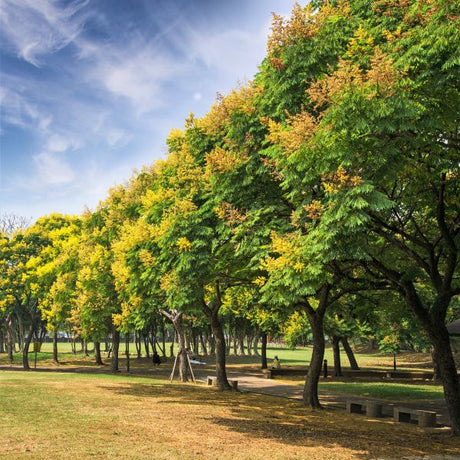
(330, 183)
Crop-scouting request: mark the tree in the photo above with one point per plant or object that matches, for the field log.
(381, 120)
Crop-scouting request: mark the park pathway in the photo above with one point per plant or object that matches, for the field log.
(255, 382)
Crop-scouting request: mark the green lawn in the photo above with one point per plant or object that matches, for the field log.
(297, 357)
(386, 390)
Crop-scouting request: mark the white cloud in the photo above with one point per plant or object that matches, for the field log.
(57, 143)
(117, 137)
(136, 75)
(53, 170)
(35, 28)
(230, 52)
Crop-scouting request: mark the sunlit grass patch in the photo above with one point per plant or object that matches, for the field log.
(386, 390)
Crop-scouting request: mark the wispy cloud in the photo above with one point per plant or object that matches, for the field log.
(35, 28)
(137, 76)
(19, 110)
(229, 52)
(52, 169)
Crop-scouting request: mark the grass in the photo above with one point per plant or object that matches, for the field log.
(298, 357)
(52, 415)
(387, 390)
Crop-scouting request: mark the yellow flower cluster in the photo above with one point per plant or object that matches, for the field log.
(361, 43)
(338, 180)
(238, 100)
(300, 128)
(184, 244)
(169, 280)
(287, 249)
(220, 161)
(303, 23)
(260, 281)
(230, 214)
(146, 258)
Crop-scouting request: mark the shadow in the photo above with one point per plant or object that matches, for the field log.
(266, 417)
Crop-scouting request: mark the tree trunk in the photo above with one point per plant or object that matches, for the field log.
(55, 347)
(203, 345)
(316, 320)
(217, 330)
(176, 317)
(255, 344)
(138, 344)
(9, 339)
(128, 363)
(336, 351)
(97, 353)
(2, 341)
(115, 348)
(350, 355)
(182, 349)
(263, 350)
(444, 359)
(163, 337)
(241, 346)
(146, 346)
(25, 349)
(436, 372)
(310, 392)
(433, 321)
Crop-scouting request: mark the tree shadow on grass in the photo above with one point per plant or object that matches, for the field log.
(288, 422)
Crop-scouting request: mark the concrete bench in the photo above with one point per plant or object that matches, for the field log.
(272, 373)
(370, 408)
(213, 381)
(424, 418)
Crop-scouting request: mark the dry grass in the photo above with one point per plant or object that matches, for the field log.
(101, 416)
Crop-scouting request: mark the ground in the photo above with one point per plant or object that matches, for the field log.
(94, 414)
(49, 415)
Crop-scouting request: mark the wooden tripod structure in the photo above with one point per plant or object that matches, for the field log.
(189, 366)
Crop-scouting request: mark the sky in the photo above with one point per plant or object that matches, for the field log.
(89, 89)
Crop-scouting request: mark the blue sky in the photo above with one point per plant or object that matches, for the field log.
(89, 89)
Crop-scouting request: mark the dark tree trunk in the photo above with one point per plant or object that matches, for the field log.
(350, 355)
(25, 349)
(138, 344)
(263, 350)
(55, 347)
(444, 359)
(217, 330)
(316, 320)
(203, 345)
(2, 341)
(212, 345)
(115, 349)
(336, 351)
(235, 346)
(146, 346)
(434, 323)
(436, 372)
(310, 392)
(97, 353)
(255, 343)
(163, 337)
(241, 351)
(128, 362)
(9, 339)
